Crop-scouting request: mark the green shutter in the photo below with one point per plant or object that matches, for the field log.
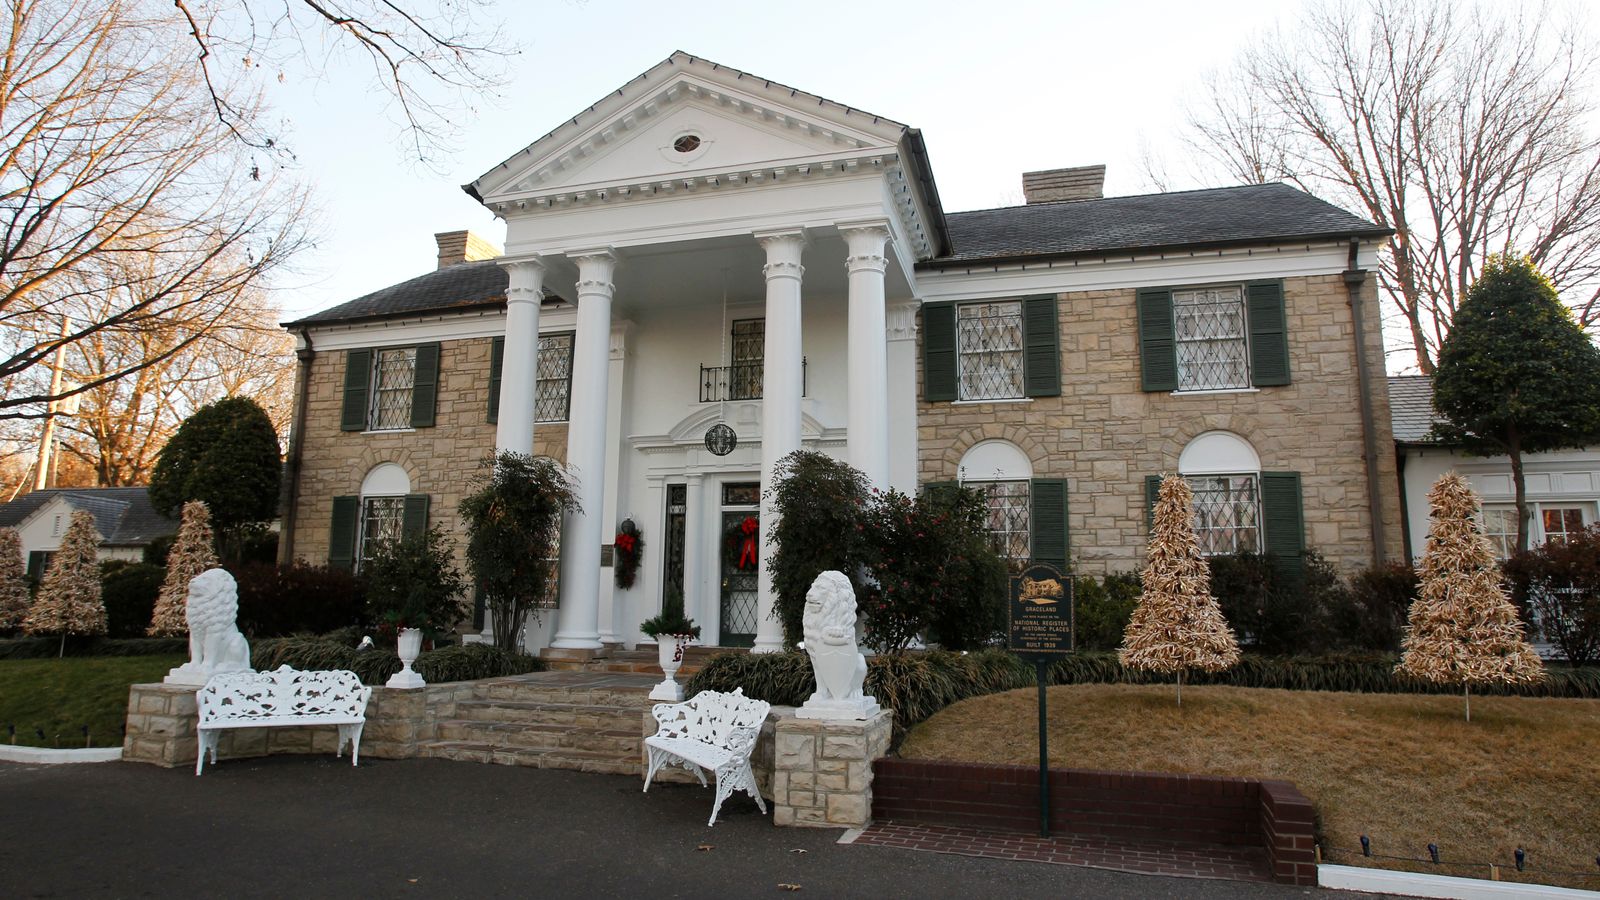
(938, 351)
(1283, 520)
(1158, 354)
(414, 516)
(1048, 529)
(496, 360)
(425, 386)
(37, 561)
(1269, 334)
(1152, 493)
(1041, 342)
(357, 385)
(342, 533)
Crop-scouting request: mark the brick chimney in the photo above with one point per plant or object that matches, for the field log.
(1077, 183)
(463, 246)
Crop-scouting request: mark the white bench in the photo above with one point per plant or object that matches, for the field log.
(715, 731)
(282, 698)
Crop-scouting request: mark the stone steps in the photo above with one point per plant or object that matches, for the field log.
(581, 715)
(621, 742)
(555, 758)
(637, 662)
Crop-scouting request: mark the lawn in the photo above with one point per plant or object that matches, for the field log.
(60, 696)
(1404, 769)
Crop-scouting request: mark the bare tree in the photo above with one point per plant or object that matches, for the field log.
(1464, 127)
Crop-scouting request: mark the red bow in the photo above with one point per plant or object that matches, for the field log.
(626, 542)
(747, 554)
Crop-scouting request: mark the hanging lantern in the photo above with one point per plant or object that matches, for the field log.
(721, 440)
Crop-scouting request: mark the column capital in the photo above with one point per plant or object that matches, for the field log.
(621, 330)
(525, 278)
(694, 478)
(867, 242)
(903, 321)
(784, 249)
(595, 269)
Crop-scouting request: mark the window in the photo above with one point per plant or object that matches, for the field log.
(1010, 515)
(749, 338)
(382, 520)
(1546, 522)
(1500, 526)
(553, 387)
(1210, 334)
(1560, 522)
(393, 376)
(1227, 513)
(989, 355)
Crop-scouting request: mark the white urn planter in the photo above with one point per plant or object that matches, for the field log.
(410, 647)
(670, 650)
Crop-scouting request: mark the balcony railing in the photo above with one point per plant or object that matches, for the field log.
(741, 381)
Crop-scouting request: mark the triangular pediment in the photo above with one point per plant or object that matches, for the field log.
(688, 118)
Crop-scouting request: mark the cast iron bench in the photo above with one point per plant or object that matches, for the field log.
(284, 697)
(715, 731)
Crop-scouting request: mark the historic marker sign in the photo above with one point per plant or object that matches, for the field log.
(1041, 611)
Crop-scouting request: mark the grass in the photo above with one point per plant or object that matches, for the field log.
(60, 696)
(1405, 769)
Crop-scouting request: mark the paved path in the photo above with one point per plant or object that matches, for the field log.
(301, 826)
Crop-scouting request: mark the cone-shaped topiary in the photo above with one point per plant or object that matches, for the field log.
(1462, 628)
(1177, 625)
(69, 597)
(14, 599)
(192, 553)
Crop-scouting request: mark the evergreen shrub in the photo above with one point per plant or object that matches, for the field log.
(467, 662)
(275, 601)
(129, 591)
(1557, 585)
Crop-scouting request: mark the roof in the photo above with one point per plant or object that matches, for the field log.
(456, 288)
(1411, 409)
(1247, 214)
(124, 516)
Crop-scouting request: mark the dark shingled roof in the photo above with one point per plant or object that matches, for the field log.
(1249, 214)
(1411, 409)
(454, 288)
(122, 515)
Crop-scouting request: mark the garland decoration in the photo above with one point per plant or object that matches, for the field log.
(741, 543)
(628, 547)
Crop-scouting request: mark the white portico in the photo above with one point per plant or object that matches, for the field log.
(702, 215)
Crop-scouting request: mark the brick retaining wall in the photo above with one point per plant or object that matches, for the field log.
(1133, 806)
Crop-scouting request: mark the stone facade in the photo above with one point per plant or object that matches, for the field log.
(822, 770)
(441, 460)
(1104, 434)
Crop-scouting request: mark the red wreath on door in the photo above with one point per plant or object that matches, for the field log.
(742, 544)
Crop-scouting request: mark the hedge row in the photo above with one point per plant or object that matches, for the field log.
(917, 685)
(458, 663)
(40, 647)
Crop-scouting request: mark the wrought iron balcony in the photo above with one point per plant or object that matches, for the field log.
(741, 381)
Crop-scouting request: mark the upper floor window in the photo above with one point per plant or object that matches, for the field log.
(393, 376)
(391, 388)
(553, 387)
(989, 356)
(748, 360)
(1212, 347)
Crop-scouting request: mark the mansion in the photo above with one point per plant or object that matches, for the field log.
(706, 271)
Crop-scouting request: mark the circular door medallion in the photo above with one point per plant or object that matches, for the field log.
(721, 440)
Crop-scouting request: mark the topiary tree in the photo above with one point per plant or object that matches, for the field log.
(192, 553)
(413, 583)
(1177, 625)
(818, 502)
(1462, 628)
(227, 455)
(1517, 374)
(513, 521)
(14, 596)
(69, 596)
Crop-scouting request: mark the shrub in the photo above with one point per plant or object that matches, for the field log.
(226, 453)
(513, 518)
(970, 608)
(281, 600)
(671, 620)
(1558, 585)
(1275, 612)
(413, 583)
(39, 647)
(1101, 609)
(155, 553)
(459, 663)
(1379, 599)
(129, 592)
(818, 501)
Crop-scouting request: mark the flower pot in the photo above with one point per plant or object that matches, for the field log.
(669, 652)
(410, 646)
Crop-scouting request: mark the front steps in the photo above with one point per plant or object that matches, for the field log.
(583, 721)
(622, 662)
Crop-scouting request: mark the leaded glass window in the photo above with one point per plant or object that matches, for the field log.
(749, 339)
(553, 387)
(393, 374)
(1010, 517)
(381, 521)
(989, 350)
(1227, 513)
(1209, 325)
(1500, 527)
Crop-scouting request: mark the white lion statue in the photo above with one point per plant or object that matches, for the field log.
(215, 644)
(829, 625)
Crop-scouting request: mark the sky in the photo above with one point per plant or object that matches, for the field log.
(997, 88)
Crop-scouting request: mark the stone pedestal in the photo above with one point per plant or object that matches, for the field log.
(822, 769)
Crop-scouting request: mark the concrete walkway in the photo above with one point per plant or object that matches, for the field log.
(299, 826)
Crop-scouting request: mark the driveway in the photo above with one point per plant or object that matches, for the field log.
(301, 826)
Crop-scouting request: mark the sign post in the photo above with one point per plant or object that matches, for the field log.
(1041, 629)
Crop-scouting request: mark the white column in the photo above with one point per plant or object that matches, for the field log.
(519, 360)
(578, 623)
(868, 367)
(614, 629)
(694, 555)
(902, 333)
(780, 405)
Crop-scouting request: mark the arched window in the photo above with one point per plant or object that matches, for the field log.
(1224, 472)
(383, 506)
(1004, 473)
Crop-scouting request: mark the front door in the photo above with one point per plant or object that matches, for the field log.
(741, 516)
